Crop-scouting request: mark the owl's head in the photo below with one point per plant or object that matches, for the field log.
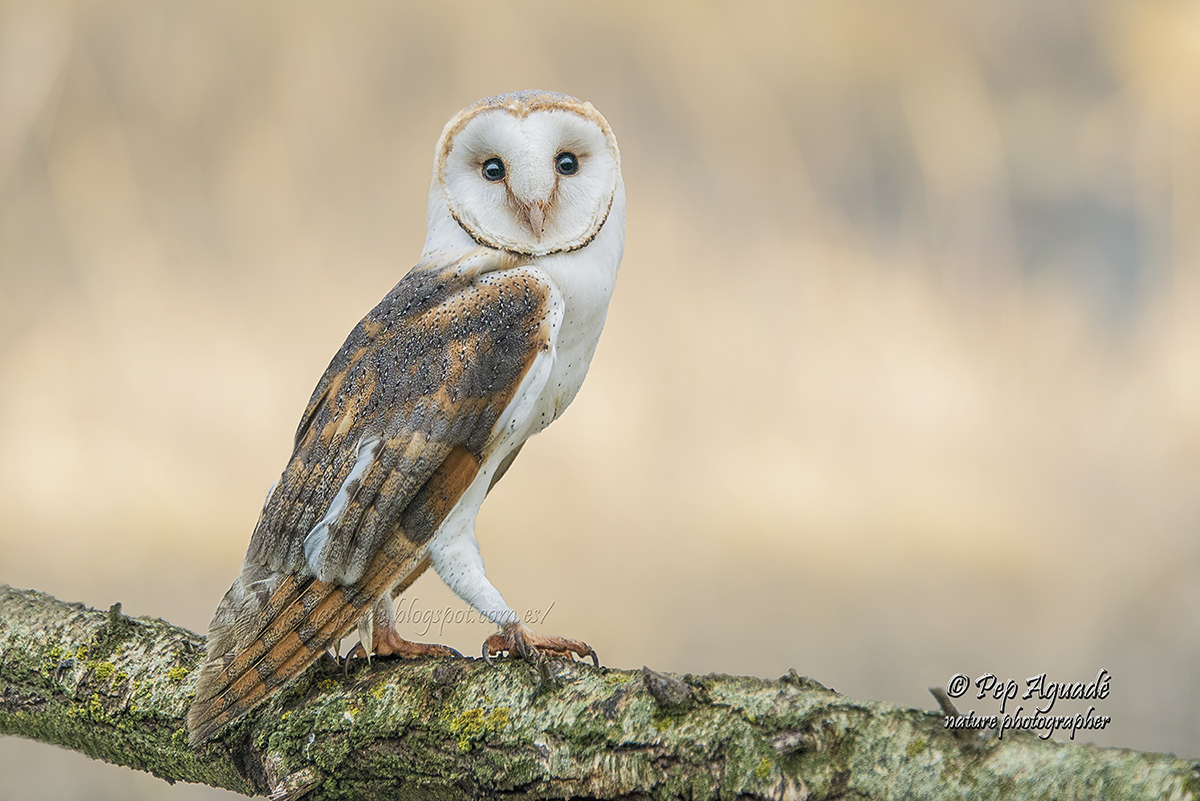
(532, 173)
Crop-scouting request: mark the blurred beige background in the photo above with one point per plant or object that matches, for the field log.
(901, 378)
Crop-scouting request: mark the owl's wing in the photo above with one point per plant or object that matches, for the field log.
(394, 433)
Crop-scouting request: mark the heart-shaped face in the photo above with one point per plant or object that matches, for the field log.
(530, 172)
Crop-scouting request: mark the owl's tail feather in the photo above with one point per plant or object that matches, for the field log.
(313, 615)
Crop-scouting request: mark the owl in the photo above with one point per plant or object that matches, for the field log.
(483, 344)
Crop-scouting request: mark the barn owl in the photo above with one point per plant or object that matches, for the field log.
(480, 346)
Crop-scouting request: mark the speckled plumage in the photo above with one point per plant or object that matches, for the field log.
(481, 345)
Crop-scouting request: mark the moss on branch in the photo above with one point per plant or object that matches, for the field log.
(118, 689)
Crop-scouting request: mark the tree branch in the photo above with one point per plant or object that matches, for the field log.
(118, 689)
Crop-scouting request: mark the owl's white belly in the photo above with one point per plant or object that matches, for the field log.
(581, 289)
(572, 356)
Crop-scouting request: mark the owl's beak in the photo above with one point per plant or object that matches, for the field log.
(535, 215)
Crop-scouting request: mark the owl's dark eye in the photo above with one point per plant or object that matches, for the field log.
(493, 169)
(566, 163)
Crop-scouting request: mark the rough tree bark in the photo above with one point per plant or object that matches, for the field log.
(117, 689)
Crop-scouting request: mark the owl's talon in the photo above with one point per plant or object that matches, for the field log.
(357, 652)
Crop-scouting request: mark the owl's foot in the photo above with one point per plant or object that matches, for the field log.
(520, 640)
(387, 642)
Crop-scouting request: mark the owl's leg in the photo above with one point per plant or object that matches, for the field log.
(458, 562)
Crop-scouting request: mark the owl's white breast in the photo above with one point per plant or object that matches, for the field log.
(584, 279)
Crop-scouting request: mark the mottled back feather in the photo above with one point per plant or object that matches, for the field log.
(393, 434)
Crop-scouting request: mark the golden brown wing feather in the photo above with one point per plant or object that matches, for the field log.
(411, 402)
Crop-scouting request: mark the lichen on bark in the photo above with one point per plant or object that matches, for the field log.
(118, 688)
